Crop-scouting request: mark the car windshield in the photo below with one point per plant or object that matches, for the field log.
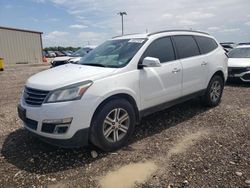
(113, 53)
(79, 53)
(240, 53)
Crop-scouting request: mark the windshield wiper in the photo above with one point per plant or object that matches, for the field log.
(94, 64)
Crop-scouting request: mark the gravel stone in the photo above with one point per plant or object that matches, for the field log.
(94, 154)
(238, 173)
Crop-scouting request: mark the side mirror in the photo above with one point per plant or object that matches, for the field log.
(151, 62)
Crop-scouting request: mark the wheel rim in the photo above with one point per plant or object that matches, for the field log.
(215, 91)
(116, 125)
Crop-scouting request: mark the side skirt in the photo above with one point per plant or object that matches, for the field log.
(168, 104)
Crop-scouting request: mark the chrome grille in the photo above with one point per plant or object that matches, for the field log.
(34, 97)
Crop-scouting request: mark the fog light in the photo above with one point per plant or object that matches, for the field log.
(60, 129)
(56, 126)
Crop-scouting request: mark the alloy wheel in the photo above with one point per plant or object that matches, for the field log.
(116, 125)
(215, 91)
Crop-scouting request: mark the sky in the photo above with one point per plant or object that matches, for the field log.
(83, 22)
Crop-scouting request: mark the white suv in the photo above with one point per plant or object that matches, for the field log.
(100, 100)
(239, 63)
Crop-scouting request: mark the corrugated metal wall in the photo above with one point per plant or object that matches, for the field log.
(20, 46)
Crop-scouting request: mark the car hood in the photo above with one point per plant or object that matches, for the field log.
(67, 74)
(239, 62)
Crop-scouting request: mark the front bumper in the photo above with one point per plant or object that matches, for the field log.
(76, 134)
(79, 139)
(241, 73)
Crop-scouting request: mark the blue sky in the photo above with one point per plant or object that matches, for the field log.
(82, 22)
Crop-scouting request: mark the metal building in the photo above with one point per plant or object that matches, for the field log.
(20, 46)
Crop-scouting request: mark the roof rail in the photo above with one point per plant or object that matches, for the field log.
(154, 33)
(125, 35)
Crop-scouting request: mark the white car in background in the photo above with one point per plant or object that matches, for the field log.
(73, 58)
(89, 48)
(239, 63)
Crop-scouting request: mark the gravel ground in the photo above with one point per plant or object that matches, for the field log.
(184, 146)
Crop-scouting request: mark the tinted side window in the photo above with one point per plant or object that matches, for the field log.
(162, 49)
(186, 46)
(206, 44)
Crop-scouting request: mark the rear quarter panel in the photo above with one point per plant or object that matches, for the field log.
(218, 61)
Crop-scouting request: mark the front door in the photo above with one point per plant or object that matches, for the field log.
(160, 84)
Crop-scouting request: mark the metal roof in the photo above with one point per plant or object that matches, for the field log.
(23, 30)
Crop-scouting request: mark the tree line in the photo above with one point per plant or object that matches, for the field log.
(61, 48)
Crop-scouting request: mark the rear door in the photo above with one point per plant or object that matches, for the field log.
(193, 65)
(207, 48)
(160, 84)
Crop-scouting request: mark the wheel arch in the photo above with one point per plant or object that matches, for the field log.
(125, 96)
(219, 73)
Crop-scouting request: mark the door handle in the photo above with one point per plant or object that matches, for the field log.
(204, 63)
(175, 70)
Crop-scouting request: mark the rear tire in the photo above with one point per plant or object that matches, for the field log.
(214, 92)
(112, 125)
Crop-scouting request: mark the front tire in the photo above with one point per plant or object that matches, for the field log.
(112, 125)
(214, 91)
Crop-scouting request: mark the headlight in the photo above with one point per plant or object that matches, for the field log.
(69, 93)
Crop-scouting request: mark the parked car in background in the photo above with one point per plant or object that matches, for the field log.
(239, 63)
(89, 48)
(100, 99)
(45, 53)
(228, 46)
(59, 54)
(244, 43)
(73, 58)
(67, 53)
(49, 54)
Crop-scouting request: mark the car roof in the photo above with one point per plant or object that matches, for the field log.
(227, 43)
(131, 36)
(170, 32)
(243, 46)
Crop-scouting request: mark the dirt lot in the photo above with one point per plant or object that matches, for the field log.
(185, 146)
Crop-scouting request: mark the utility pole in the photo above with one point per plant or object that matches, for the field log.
(122, 14)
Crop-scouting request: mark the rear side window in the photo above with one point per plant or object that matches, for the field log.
(206, 44)
(162, 49)
(186, 46)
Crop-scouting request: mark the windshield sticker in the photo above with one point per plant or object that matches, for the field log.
(136, 40)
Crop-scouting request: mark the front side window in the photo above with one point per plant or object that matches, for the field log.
(113, 53)
(239, 53)
(206, 44)
(162, 49)
(186, 46)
